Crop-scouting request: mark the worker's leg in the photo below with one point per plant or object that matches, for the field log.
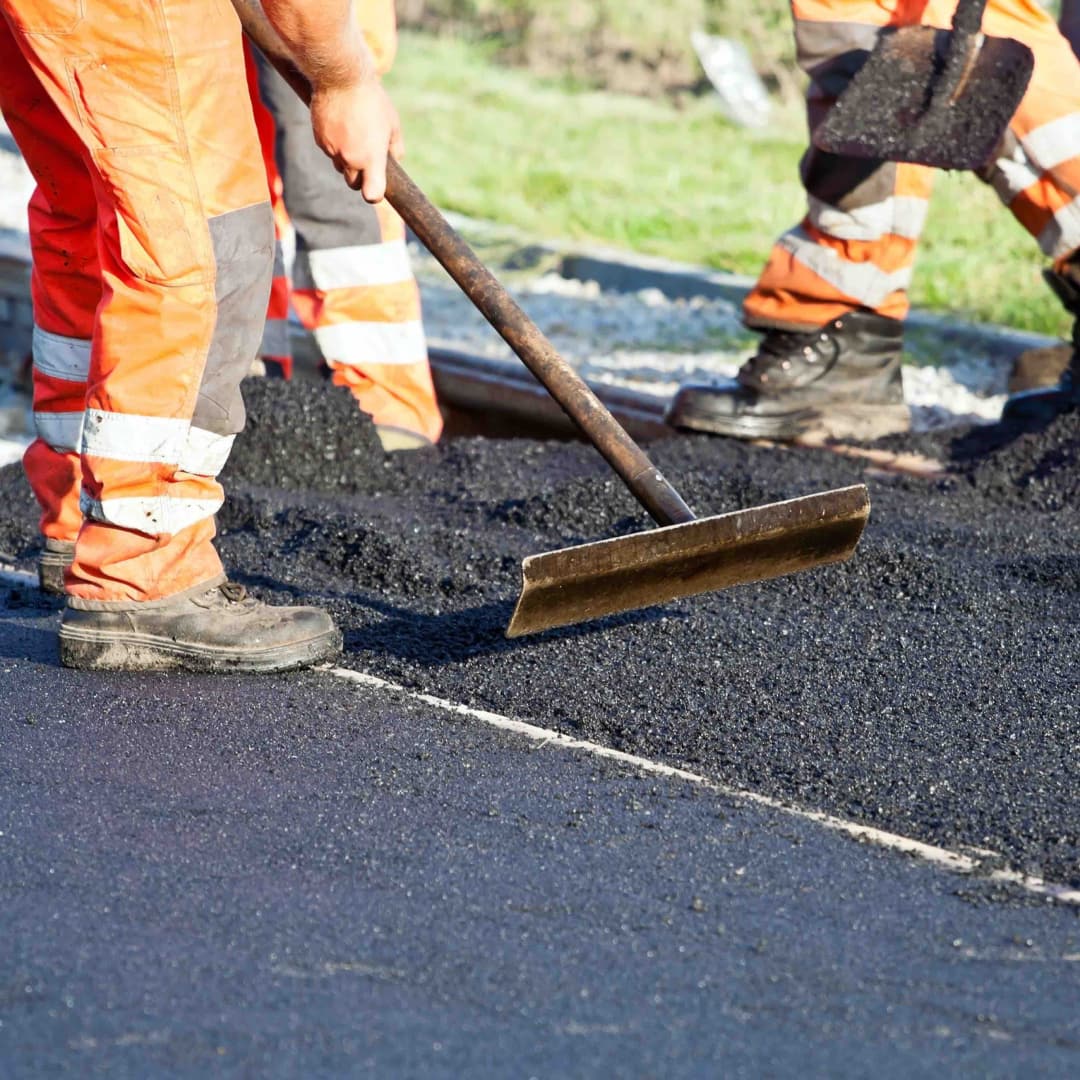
(1037, 171)
(832, 295)
(352, 283)
(66, 290)
(856, 246)
(1037, 175)
(185, 242)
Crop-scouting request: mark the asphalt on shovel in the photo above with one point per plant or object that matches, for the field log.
(933, 97)
(687, 555)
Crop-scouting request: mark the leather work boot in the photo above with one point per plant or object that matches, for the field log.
(56, 556)
(1039, 405)
(842, 380)
(217, 629)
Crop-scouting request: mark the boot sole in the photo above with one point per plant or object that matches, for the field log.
(686, 415)
(863, 423)
(103, 651)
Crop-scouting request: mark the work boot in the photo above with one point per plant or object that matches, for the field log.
(56, 556)
(841, 380)
(218, 629)
(1040, 405)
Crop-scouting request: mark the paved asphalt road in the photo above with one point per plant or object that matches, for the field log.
(303, 877)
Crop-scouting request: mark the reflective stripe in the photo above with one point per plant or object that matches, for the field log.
(205, 453)
(152, 515)
(357, 343)
(1051, 144)
(1062, 235)
(862, 282)
(900, 215)
(61, 430)
(1011, 176)
(275, 339)
(348, 267)
(125, 437)
(61, 357)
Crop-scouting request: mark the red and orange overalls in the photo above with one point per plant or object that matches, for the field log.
(153, 243)
(351, 282)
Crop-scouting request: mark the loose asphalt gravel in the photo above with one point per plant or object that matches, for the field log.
(929, 686)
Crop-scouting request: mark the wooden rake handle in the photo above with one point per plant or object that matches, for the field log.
(644, 480)
(560, 380)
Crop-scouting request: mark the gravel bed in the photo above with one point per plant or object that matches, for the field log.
(649, 342)
(928, 686)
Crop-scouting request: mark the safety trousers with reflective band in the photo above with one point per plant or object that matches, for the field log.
(856, 246)
(152, 241)
(352, 284)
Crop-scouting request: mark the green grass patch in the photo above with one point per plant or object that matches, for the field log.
(503, 145)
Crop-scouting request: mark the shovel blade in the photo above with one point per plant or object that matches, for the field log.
(894, 109)
(572, 585)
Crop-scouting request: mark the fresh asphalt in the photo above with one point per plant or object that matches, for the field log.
(295, 876)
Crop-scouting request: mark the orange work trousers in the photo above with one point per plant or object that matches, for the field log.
(152, 241)
(351, 283)
(856, 246)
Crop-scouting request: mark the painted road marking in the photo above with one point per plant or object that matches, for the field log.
(966, 863)
(953, 861)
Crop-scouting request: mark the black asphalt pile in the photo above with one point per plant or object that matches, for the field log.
(929, 686)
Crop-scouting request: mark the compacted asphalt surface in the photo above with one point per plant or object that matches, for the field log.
(301, 876)
(294, 876)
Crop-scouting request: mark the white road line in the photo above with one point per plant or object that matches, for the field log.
(954, 861)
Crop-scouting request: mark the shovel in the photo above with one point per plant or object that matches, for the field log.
(933, 97)
(687, 555)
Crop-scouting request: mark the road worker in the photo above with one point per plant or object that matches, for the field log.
(351, 285)
(153, 240)
(831, 300)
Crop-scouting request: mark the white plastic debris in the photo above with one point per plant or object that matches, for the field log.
(743, 95)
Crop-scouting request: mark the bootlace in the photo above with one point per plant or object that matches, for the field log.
(233, 591)
(777, 347)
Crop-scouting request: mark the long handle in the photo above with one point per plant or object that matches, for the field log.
(644, 480)
(962, 50)
(536, 352)
(968, 17)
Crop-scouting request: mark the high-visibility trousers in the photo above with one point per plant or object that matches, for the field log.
(152, 242)
(856, 246)
(351, 283)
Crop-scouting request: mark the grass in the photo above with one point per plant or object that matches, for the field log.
(557, 161)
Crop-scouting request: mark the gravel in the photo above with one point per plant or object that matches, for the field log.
(649, 342)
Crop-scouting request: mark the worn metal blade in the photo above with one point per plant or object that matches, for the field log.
(576, 584)
(894, 108)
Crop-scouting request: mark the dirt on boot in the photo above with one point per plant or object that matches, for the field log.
(215, 629)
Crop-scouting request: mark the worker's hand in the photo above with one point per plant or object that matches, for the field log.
(357, 126)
